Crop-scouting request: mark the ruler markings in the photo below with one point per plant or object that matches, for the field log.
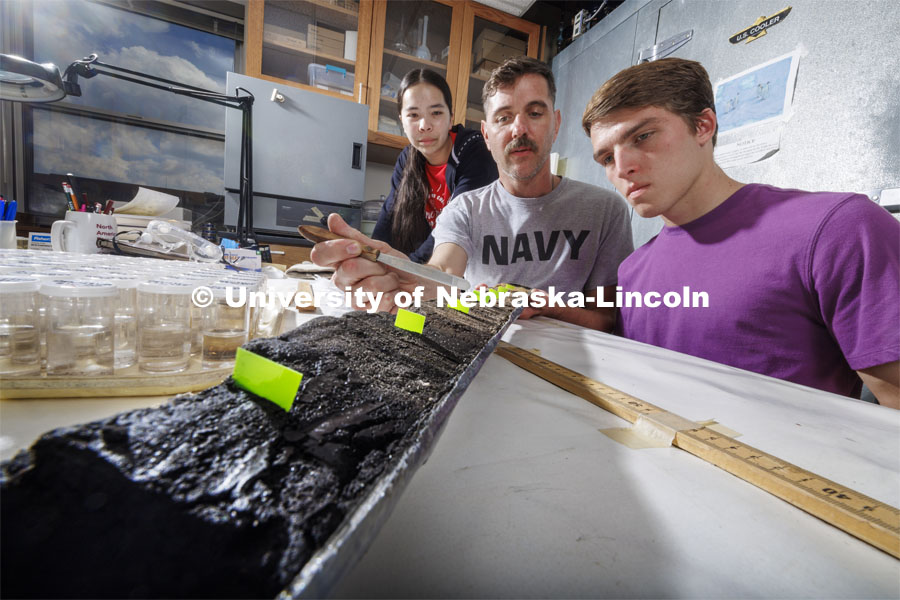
(870, 520)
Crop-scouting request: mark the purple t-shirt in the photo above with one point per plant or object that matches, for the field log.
(802, 286)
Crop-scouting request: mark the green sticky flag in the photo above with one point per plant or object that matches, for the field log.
(459, 306)
(409, 321)
(266, 378)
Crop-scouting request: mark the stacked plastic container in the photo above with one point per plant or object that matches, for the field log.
(70, 315)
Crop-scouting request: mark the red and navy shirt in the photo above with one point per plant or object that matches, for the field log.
(438, 191)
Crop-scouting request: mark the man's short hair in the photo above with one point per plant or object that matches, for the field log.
(511, 70)
(675, 84)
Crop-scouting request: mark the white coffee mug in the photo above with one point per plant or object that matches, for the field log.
(78, 233)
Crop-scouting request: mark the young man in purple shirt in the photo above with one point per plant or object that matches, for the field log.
(801, 286)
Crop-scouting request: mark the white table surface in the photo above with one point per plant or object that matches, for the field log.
(524, 497)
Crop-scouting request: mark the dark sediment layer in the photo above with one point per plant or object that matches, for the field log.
(221, 493)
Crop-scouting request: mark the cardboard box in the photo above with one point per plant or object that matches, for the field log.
(39, 241)
(243, 258)
(284, 31)
(327, 41)
(329, 51)
(318, 32)
(295, 43)
(497, 53)
(499, 37)
(495, 46)
(485, 68)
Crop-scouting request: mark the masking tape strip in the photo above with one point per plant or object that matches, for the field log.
(656, 430)
(717, 427)
(643, 434)
(670, 422)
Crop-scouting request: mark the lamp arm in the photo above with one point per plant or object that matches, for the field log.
(86, 67)
(139, 74)
(214, 97)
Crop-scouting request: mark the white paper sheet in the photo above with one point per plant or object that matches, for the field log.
(752, 108)
(149, 203)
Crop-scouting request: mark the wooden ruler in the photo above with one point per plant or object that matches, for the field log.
(874, 522)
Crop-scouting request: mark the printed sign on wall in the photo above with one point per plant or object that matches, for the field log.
(758, 29)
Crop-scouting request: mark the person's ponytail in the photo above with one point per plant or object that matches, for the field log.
(410, 228)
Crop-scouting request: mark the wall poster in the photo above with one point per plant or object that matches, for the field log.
(752, 108)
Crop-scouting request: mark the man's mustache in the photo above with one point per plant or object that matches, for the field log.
(519, 143)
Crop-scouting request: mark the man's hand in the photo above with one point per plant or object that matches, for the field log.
(529, 312)
(593, 317)
(351, 271)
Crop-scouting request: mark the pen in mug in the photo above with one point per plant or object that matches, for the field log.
(72, 185)
(71, 194)
(10, 213)
(69, 204)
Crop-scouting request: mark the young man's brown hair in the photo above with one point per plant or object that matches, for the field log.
(675, 84)
(512, 69)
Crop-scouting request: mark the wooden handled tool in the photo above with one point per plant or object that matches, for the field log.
(432, 274)
(320, 234)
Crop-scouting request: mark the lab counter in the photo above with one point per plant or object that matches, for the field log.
(525, 496)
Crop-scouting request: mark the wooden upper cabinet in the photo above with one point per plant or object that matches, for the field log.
(407, 36)
(314, 44)
(489, 37)
(309, 44)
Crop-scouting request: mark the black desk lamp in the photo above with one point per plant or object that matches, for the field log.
(22, 80)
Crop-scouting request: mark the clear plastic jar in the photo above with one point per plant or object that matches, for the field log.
(164, 325)
(20, 341)
(125, 318)
(48, 274)
(197, 279)
(252, 284)
(79, 331)
(223, 329)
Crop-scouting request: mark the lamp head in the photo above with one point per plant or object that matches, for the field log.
(22, 80)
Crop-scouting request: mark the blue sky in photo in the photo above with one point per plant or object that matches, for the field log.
(66, 30)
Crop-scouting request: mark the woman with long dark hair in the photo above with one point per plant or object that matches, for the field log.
(440, 163)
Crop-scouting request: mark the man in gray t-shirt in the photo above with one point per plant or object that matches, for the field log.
(571, 239)
(530, 227)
